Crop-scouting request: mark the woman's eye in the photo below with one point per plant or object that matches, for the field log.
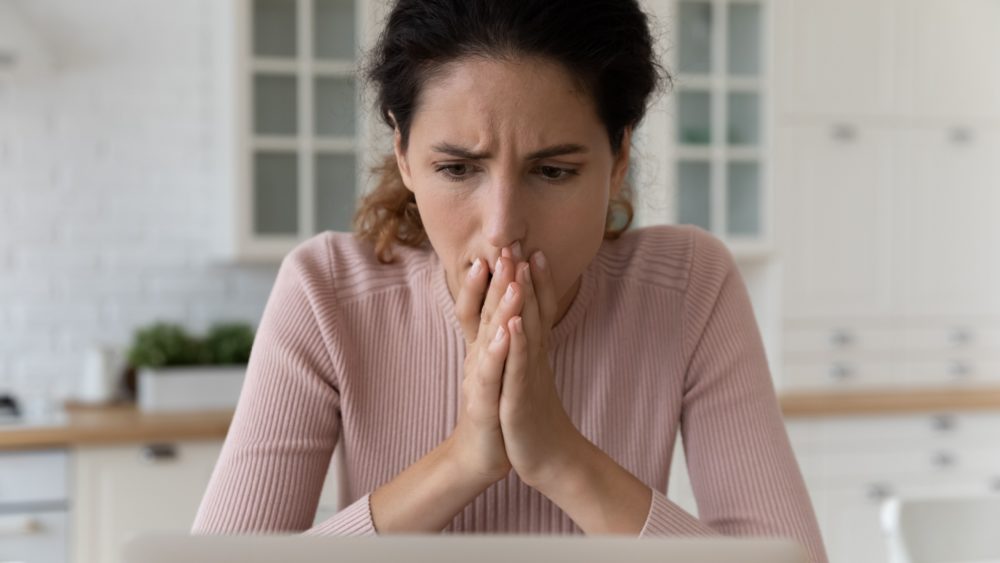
(555, 173)
(454, 172)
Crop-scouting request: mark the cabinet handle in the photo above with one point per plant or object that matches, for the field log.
(844, 132)
(840, 371)
(959, 369)
(960, 336)
(878, 492)
(154, 453)
(944, 460)
(961, 135)
(842, 338)
(20, 526)
(943, 423)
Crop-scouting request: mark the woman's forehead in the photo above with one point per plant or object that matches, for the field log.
(531, 100)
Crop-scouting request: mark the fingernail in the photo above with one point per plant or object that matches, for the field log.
(527, 274)
(540, 260)
(499, 335)
(516, 250)
(476, 268)
(518, 327)
(498, 268)
(509, 296)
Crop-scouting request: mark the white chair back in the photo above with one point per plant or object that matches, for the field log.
(943, 529)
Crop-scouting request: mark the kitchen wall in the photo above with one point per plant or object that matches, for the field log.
(109, 196)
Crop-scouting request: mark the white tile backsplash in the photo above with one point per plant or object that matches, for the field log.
(108, 189)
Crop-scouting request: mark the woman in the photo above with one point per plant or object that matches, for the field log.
(494, 353)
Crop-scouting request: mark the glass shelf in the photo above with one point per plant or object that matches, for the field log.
(333, 29)
(334, 113)
(694, 118)
(744, 118)
(275, 104)
(276, 201)
(743, 39)
(695, 37)
(694, 194)
(274, 30)
(335, 191)
(743, 200)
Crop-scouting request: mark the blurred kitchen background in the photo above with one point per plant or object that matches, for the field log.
(158, 159)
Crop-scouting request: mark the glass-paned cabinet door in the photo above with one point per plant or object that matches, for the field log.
(302, 119)
(719, 99)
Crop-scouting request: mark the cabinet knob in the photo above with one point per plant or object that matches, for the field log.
(12, 526)
(840, 371)
(154, 453)
(960, 336)
(961, 135)
(844, 132)
(877, 492)
(959, 368)
(944, 460)
(943, 422)
(841, 338)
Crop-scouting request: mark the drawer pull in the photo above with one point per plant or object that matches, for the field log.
(840, 372)
(960, 336)
(20, 526)
(943, 423)
(841, 338)
(944, 460)
(959, 368)
(155, 453)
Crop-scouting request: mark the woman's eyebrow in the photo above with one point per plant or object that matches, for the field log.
(555, 150)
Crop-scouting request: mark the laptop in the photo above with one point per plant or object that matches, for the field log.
(170, 547)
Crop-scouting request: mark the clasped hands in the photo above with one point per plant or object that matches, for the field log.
(511, 416)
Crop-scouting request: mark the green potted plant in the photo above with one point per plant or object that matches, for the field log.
(178, 371)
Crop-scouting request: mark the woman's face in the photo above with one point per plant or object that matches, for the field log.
(505, 151)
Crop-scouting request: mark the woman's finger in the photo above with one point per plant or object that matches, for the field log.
(530, 313)
(515, 369)
(545, 291)
(470, 296)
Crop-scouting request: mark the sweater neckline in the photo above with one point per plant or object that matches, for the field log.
(560, 331)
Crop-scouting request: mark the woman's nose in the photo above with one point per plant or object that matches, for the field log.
(503, 216)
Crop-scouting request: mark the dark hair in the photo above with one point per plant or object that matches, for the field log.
(605, 45)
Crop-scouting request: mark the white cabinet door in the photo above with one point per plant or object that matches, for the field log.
(947, 196)
(834, 57)
(834, 218)
(948, 63)
(123, 490)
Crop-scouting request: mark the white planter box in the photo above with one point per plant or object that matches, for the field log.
(189, 388)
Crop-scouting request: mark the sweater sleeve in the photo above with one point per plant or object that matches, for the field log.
(744, 475)
(276, 454)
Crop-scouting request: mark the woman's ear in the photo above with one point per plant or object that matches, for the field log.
(620, 167)
(397, 148)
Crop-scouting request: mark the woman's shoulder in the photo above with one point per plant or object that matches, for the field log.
(669, 256)
(351, 266)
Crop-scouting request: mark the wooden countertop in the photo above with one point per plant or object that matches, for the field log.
(125, 424)
(114, 424)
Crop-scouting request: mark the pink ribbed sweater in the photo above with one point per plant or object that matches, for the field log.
(661, 337)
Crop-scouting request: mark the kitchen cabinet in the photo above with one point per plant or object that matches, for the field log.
(947, 237)
(719, 115)
(295, 150)
(835, 220)
(835, 58)
(34, 506)
(853, 464)
(119, 491)
(948, 66)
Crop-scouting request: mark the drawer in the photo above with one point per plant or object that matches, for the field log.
(33, 476)
(35, 537)
(949, 371)
(840, 375)
(953, 337)
(841, 339)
